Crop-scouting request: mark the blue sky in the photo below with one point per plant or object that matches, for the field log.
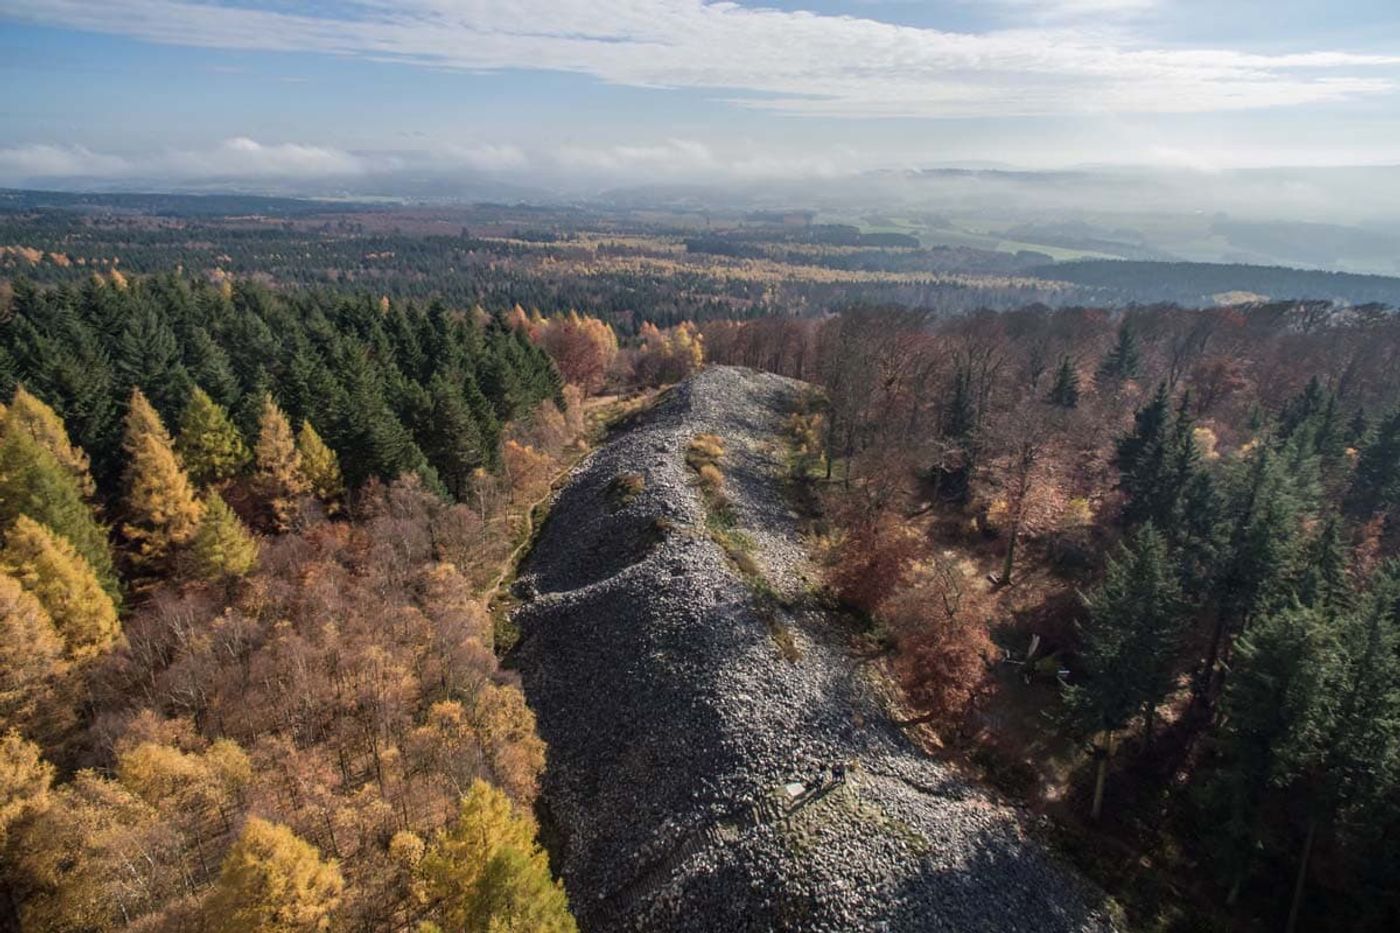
(688, 89)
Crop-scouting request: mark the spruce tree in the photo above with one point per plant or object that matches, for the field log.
(279, 478)
(209, 444)
(1271, 707)
(959, 427)
(1325, 581)
(320, 466)
(147, 355)
(1127, 661)
(1376, 483)
(209, 367)
(1158, 461)
(159, 504)
(51, 569)
(34, 483)
(1124, 361)
(1065, 391)
(1302, 407)
(222, 546)
(452, 440)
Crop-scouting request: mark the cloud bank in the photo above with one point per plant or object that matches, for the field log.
(790, 62)
(244, 159)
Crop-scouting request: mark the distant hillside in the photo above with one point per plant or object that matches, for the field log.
(1194, 283)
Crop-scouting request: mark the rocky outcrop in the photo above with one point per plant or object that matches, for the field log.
(716, 767)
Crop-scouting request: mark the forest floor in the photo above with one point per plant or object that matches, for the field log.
(718, 757)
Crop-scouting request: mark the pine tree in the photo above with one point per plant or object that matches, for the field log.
(486, 872)
(1130, 644)
(31, 652)
(279, 478)
(320, 466)
(272, 881)
(34, 483)
(222, 546)
(50, 569)
(27, 413)
(159, 504)
(1065, 391)
(1124, 360)
(209, 445)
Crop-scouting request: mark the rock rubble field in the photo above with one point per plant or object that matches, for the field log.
(706, 772)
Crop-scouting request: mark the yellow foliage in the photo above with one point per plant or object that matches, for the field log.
(406, 848)
(25, 778)
(1078, 513)
(319, 466)
(166, 777)
(210, 447)
(703, 449)
(161, 508)
(280, 479)
(486, 872)
(505, 728)
(97, 856)
(29, 414)
(1206, 442)
(271, 882)
(30, 652)
(49, 568)
(670, 355)
(222, 547)
(710, 477)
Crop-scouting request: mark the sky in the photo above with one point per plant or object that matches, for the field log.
(610, 91)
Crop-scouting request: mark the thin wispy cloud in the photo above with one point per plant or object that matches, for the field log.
(791, 62)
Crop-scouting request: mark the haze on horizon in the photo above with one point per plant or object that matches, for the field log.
(563, 96)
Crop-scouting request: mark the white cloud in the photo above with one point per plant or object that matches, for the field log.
(242, 157)
(44, 161)
(789, 61)
(239, 157)
(484, 158)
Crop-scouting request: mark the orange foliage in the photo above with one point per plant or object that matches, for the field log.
(871, 562)
(582, 347)
(940, 626)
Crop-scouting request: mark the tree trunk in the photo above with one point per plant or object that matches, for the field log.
(1302, 877)
(1101, 753)
(1007, 564)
